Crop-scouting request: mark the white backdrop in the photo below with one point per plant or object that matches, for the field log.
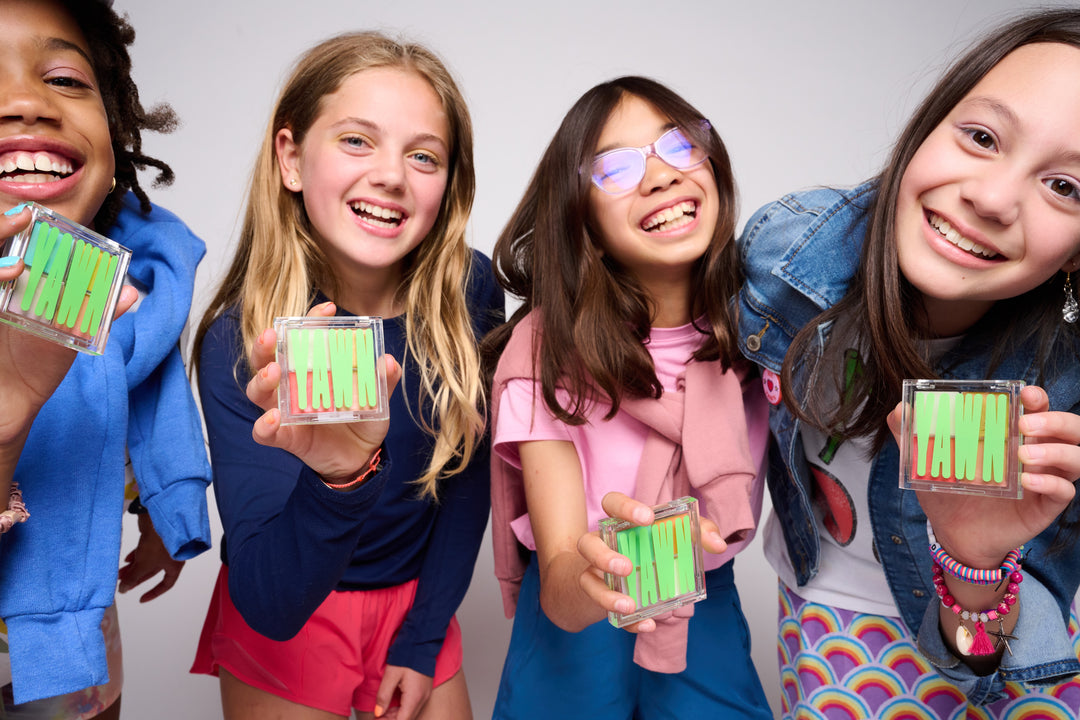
(803, 93)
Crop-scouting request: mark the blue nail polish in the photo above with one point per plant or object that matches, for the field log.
(6, 262)
(16, 210)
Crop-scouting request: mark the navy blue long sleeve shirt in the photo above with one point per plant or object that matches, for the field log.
(289, 540)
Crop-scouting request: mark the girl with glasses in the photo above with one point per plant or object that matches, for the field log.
(620, 372)
(348, 547)
(955, 262)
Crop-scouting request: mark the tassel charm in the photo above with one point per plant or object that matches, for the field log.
(982, 645)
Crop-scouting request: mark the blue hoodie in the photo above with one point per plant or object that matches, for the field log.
(58, 570)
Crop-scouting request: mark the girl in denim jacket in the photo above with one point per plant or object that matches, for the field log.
(950, 264)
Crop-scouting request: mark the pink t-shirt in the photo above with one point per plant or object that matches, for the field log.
(610, 450)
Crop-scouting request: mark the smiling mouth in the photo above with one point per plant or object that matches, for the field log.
(947, 232)
(25, 167)
(671, 218)
(376, 214)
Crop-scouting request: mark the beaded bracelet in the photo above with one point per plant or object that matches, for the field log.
(972, 575)
(16, 510)
(980, 644)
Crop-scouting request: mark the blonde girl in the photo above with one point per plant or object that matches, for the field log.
(335, 599)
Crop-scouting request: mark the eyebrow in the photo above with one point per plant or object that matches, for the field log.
(1006, 113)
(997, 107)
(420, 137)
(55, 44)
(616, 146)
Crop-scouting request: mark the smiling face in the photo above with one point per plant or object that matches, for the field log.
(660, 228)
(989, 207)
(55, 146)
(372, 168)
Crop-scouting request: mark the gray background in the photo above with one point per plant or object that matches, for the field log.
(803, 93)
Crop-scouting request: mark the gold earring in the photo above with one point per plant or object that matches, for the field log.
(113, 186)
(1070, 313)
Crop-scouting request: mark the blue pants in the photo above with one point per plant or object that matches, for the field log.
(551, 673)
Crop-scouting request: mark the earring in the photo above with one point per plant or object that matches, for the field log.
(113, 186)
(292, 182)
(1070, 313)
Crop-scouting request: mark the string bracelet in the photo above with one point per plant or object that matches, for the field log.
(980, 644)
(971, 575)
(16, 511)
(371, 469)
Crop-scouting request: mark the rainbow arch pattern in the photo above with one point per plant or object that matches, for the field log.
(841, 665)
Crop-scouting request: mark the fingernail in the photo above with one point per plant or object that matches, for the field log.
(1032, 423)
(1028, 453)
(9, 261)
(620, 566)
(624, 606)
(16, 210)
(642, 516)
(264, 373)
(379, 711)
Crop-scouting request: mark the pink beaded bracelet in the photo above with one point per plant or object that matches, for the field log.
(16, 510)
(980, 644)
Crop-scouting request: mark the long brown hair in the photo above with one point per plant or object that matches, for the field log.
(884, 312)
(279, 267)
(595, 316)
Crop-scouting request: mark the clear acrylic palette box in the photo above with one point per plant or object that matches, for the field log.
(961, 436)
(669, 569)
(331, 370)
(71, 283)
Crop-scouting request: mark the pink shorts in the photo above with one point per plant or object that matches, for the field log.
(335, 663)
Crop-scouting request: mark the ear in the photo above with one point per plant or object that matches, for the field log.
(1072, 264)
(288, 158)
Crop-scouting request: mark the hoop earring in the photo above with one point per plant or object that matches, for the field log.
(112, 187)
(1070, 313)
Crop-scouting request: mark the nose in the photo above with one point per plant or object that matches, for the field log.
(658, 175)
(26, 98)
(995, 193)
(388, 170)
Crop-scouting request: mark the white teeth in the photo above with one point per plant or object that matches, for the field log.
(670, 218)
(40, 161)
(379, 211)
(33, 178)
(947, 231)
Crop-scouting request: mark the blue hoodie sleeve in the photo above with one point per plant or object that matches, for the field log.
(288, 537)
(164, 437)
(465, 501)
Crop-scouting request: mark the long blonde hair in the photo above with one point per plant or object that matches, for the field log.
(278, 265)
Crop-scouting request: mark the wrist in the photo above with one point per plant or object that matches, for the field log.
(353, 480)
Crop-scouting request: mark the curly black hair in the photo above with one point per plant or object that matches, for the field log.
(108, 36)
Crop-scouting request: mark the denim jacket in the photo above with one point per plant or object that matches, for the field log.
(799, 255)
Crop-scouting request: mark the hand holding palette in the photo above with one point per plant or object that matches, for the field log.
(331, 370)
(961, 436)
(667, 559)
(68, 291)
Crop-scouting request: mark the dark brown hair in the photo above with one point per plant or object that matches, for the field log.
(108, 36)
(884, 311)
(595, 316)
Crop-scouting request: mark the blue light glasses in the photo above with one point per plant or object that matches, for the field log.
(620, 170)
